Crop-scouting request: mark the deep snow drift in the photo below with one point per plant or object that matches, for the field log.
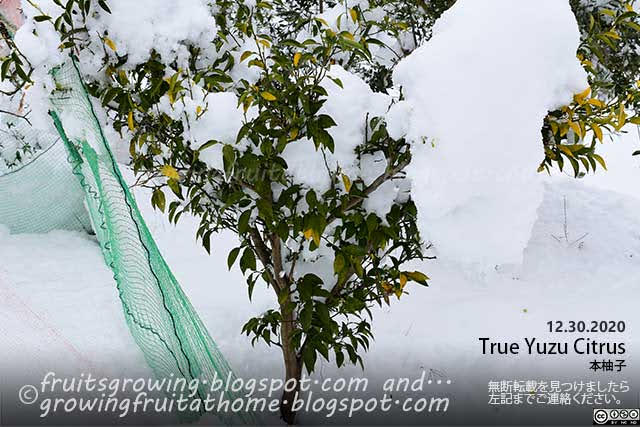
(475, 99)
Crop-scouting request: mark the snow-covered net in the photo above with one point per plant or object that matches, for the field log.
(32, 201)
(74, 178)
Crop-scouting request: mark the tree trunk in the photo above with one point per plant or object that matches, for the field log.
(293, 368)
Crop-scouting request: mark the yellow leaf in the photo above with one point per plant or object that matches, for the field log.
(316, 238)
(198, 110)
(576, 128)
(347, 182)
(347, 35)
(130, 123)
(264, 43)
(123, 76)
(296, 59)
(325, 23)
(597, 131)
(398, 293)
(354, 14)
(308, 234)
(247, 103)
(245, 55)
(580, 97)
(622, 117)
(417, 276)
(565, 150)
(403, 280)
(293, 134)
(600, 160)
(387, 287)
(612, 34)
(596, 102)
(170, 172)
(564, 128)
(268, 96)
(110, 43)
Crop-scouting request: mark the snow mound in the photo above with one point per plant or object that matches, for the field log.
(476, 95)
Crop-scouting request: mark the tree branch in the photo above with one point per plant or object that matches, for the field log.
(19, 116)
(355, 201)
(263, 252)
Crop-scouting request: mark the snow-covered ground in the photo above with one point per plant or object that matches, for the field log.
(60, 310)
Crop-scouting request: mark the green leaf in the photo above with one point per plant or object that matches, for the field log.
(339, 263)
(158, 199)
(265, 209)
(309, 358)
(599, 160)
(228, 159)
(323, 314)
(104, 6)
(233, 255)
(339, 357)
(206, 241)
(248, 260)
(306, 315)
(243, 222)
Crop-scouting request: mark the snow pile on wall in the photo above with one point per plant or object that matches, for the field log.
(476, 95)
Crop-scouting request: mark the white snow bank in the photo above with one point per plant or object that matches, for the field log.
(477, 93)
(61, 309)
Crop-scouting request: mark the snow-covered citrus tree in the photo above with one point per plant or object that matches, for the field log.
(269, 119)
(260, 133)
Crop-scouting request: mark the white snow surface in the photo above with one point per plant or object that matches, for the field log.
(140, 26)
(476, 95)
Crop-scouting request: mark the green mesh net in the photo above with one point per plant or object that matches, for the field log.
(32, 201)
(78, 170)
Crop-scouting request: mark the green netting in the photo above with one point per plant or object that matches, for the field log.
(39, 194)
(72, 181)
(160, 317)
